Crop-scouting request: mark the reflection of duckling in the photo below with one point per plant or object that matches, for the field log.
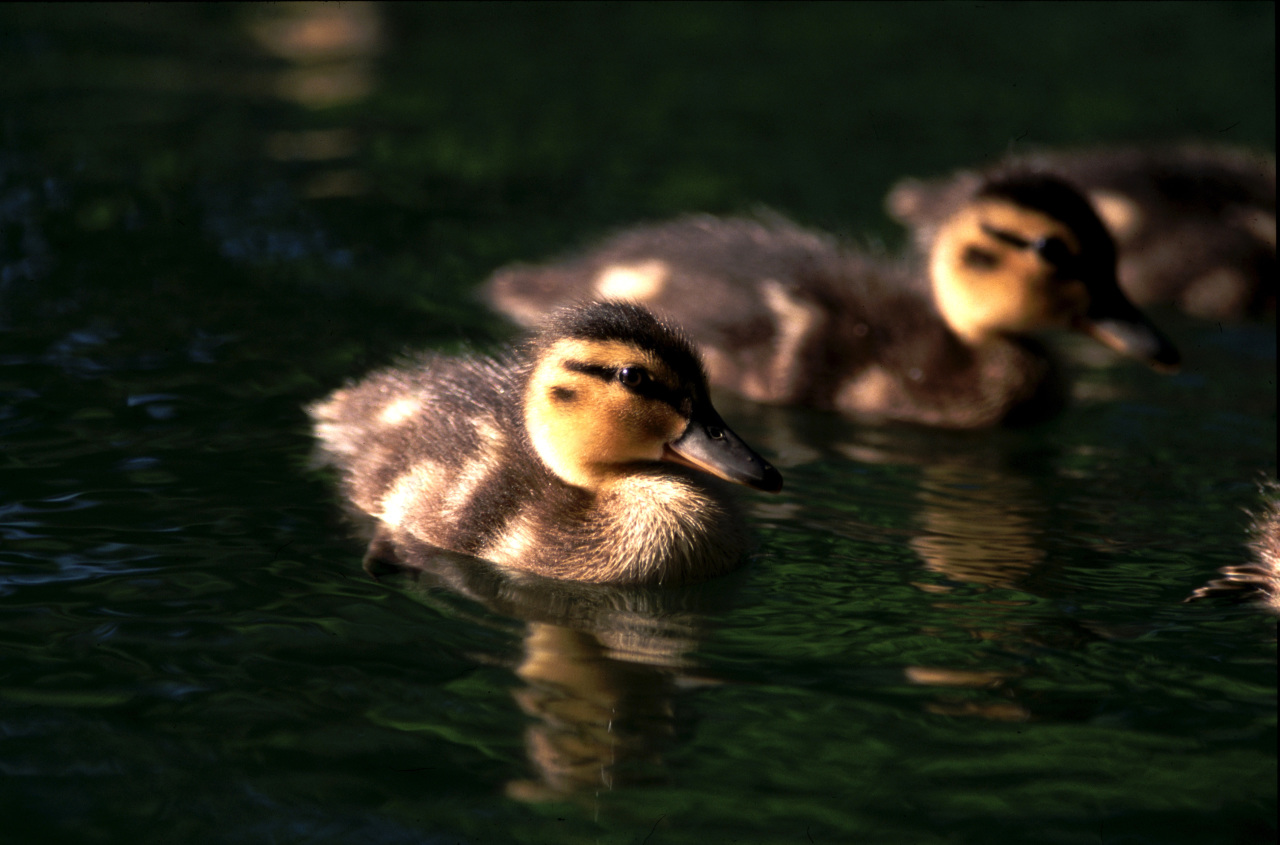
(577, 457)
(602, 668)
(596, 721)
(787, 316)
(1193, 225)
(978, 525)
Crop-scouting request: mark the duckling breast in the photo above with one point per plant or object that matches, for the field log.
(649, 527)
(666, 526)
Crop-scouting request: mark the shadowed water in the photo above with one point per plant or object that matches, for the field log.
(212, 215)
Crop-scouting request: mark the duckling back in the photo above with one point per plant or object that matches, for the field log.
(429, 447)
(785, 315)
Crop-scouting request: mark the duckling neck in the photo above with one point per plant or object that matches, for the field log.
(643, 522)
(961, 317)
(656, 525)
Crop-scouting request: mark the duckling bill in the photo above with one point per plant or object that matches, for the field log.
(592, 453)
(944, 338)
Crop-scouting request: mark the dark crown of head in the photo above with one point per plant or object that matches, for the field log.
(1051, 196)
(628, 323)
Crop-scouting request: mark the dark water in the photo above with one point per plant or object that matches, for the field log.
(211, 215)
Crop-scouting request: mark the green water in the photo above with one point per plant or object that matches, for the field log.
(212, 215)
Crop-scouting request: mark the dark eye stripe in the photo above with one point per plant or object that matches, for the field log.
(1053, 250)
(1006, 237)
(648, 388)
(602, 373)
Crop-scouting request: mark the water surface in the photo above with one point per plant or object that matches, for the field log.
(213, 215)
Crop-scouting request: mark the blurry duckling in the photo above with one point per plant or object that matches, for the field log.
(588, 454)
(1257, 581)
(1194, 225)
(788, 316)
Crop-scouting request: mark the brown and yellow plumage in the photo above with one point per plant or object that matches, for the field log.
(587, 454)
(1194, 224)
(789, 316)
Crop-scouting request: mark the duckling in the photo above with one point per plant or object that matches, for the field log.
(788, 316)
(1258, 580)
(1194, 225)
(592, 453)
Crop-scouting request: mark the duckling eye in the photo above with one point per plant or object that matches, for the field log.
(1054, 250)
(632, 376)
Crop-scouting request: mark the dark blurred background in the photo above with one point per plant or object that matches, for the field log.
(400, 152)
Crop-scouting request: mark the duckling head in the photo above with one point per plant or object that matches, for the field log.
(1029, 253)
(612, 388)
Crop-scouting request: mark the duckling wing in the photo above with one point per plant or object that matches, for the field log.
(884, 353)
(433, 447)
(699, 270)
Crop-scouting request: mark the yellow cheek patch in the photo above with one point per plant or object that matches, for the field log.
(1015, 291)
(583, 426)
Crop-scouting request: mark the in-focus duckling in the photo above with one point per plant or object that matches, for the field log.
(788, 316)
(1194, 225)
(588, 454)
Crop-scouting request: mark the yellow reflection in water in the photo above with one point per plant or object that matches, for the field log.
(330, 50)
(978, 525)
(600, 669)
